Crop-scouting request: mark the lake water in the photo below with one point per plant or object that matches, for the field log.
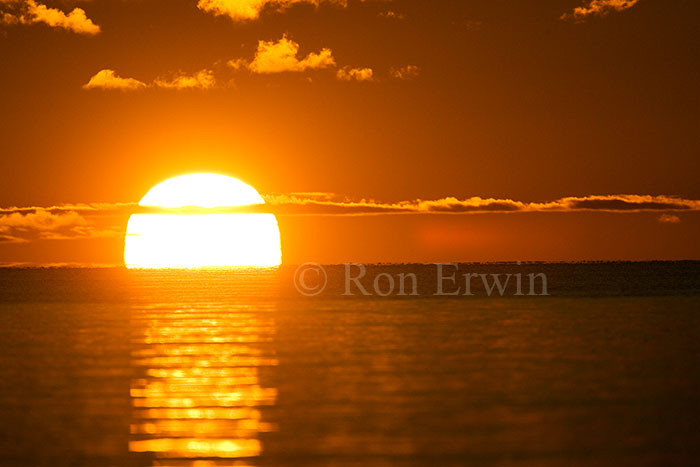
(109, 367)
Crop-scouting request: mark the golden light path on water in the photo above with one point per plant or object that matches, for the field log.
(197, 397)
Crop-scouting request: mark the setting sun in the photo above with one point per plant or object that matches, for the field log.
(186, 240)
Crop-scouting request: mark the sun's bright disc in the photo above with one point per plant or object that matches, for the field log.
(202, 240)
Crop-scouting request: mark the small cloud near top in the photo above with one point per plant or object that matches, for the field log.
(598, 7)
(30, 12)
(203, 79)
(243, 10)
(108, 79)
(405, 72)
(390, 14)
(357, 74)
(281, 56)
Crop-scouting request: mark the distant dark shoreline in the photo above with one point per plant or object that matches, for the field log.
(463, 281)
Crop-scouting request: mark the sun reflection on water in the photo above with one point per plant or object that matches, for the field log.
(197, 395)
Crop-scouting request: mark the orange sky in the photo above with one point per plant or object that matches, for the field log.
(391, 100)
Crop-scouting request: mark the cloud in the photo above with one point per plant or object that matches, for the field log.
(40, 220)
(12, 239)
(201, 80)
(669, 219)
(8, 18)
(108, 79)
(31, 12)
(598, 7)
(323, 203)
(281, 56)
(243, 10)
(238, 64)
(392, 15)
(358, 74)
(405, 72)
(271, 57)
(22, 226)
(629, 203)
(96, 220)
(299, 204)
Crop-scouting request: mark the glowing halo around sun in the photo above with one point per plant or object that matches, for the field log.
(209, 240)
